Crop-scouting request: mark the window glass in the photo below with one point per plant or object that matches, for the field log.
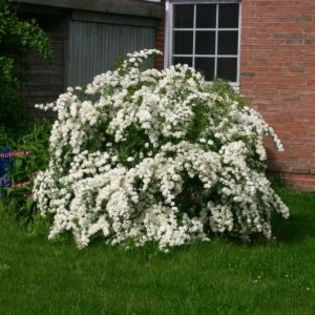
(205, 42)
(228, 42)
(227, 69)
(206, 67)
(206, 15)
(183, 15)
(206, 36)
(183, 61)
(183, 42)
(228, 15)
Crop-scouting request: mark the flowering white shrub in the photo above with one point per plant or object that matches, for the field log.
(159, 156)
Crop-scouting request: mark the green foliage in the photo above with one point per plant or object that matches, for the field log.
(18, 201)
(199, 123)
(36, 141)
(16, 38)
(134, 143)
(223, 87)
(7, 138)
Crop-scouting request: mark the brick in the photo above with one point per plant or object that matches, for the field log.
(276, 45)
(300, 171)
(248, 74)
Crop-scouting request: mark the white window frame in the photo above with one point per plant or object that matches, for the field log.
(169, 29)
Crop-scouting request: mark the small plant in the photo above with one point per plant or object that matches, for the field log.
(148, 155)
(28, 155)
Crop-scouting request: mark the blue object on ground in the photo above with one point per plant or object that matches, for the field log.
(5, 166)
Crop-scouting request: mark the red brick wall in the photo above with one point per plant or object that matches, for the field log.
(159, 41)
(278, 76)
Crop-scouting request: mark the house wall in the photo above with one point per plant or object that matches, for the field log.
(159, 40)
(84, 42)
(277, 74)
(44, 80)
(97, 43)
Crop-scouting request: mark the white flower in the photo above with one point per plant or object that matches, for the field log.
(90, 187)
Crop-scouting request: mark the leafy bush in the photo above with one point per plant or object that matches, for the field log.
(148, 155)
(16, 38)
(17, 199)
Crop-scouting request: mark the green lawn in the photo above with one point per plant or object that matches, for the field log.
(222, 277)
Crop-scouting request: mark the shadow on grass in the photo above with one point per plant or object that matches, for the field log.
(301, 224)
(295, 230)
(299, 227)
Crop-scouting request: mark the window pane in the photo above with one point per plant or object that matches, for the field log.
(183, 61)
(228, 15)
(183, 42)
(183, 15)
(205, 42)
(206, 67)
(227, 69)
(228, 43)
(206, 15)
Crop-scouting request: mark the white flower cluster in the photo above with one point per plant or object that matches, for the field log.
(152, 155)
